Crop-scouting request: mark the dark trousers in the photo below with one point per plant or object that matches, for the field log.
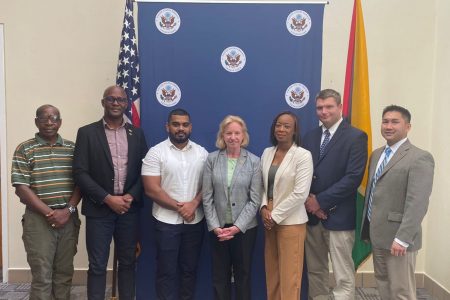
(237, 254)
(99, 233)
(177, 253)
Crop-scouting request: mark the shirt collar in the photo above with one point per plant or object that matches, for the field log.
(333, 128)
(397, 145)
(186, 148)
(41, 141)
(107, 126)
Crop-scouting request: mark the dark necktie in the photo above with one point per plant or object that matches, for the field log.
(324, 143)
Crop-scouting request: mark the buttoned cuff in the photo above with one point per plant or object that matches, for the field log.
(406, 245)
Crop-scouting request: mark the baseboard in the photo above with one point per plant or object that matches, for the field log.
(367, 280)
(423, 281)
(435, 289)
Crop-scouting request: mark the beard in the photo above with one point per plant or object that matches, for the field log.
(179, 137)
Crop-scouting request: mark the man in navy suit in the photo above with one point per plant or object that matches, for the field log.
(339, 155)
(107, 168)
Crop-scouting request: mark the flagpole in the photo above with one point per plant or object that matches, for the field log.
(128, 77)
(114, 276)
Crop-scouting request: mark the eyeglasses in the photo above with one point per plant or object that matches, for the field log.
(53, 119)
(111, 100)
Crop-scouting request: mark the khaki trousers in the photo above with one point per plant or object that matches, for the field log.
(320, 242)
(50, 255)
(283, 254)
(395, 274)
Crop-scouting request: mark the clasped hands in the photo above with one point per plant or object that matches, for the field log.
(267, 218)
(225, 234)
(312, 206)
(58, 217)
(187, 210)
(119, 204)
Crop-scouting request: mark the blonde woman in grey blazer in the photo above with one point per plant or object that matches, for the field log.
(287, 172)
(231, 191)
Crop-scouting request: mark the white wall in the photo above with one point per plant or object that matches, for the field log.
(65, 53)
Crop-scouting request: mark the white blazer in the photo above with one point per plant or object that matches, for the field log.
(291, 185)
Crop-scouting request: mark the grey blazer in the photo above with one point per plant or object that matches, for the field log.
(400, 199)
(246, 188)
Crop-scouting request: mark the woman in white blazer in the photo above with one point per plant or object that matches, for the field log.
(231, 190)
(287, 171)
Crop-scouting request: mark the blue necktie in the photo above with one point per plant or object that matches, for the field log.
(324, 143)
(387, 153)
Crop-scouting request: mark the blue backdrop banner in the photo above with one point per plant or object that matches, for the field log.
(251, 60)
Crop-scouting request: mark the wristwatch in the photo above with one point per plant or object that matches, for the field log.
(72, 209)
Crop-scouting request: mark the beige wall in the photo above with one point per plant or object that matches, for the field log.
(437, 261)
(399, 55)
(65, 53)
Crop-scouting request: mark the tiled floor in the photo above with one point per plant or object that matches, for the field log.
(372, 294)
(20, 292)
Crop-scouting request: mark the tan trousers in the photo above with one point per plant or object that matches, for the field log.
(283, 253)
(339, 244)
(395, 274)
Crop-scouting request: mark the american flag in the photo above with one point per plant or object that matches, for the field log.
(128, 65)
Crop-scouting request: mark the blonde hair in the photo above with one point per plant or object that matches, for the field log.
(220, 143)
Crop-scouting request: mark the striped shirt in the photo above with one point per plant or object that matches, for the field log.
(46, 169)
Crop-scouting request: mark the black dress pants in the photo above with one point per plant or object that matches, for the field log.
(99, 233)
(233, 255)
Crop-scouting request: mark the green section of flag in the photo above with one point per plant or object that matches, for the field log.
(361, 249)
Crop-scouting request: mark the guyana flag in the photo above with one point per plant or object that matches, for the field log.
(357, 111)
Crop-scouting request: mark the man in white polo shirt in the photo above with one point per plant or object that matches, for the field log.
(172, 177)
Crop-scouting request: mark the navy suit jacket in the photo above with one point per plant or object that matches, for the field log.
(94, 172)
(338, 174)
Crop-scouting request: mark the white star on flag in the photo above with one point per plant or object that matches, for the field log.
(128, 65)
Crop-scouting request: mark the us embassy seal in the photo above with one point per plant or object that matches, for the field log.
(233, 59)
(168, 93)
(298, 23)
(297, 95)
(167, 21)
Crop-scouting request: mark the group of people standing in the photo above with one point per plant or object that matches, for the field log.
(304, 191)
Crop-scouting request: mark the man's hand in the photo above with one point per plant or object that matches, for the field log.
(58, 218)
(311, 204)
(321, 214)
(187, 210)
(267, 218)
(119, 204)
(128, 198)
(397, 249)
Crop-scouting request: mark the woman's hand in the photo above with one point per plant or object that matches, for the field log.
(225, 234)
(217, 231)
(267, 218)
